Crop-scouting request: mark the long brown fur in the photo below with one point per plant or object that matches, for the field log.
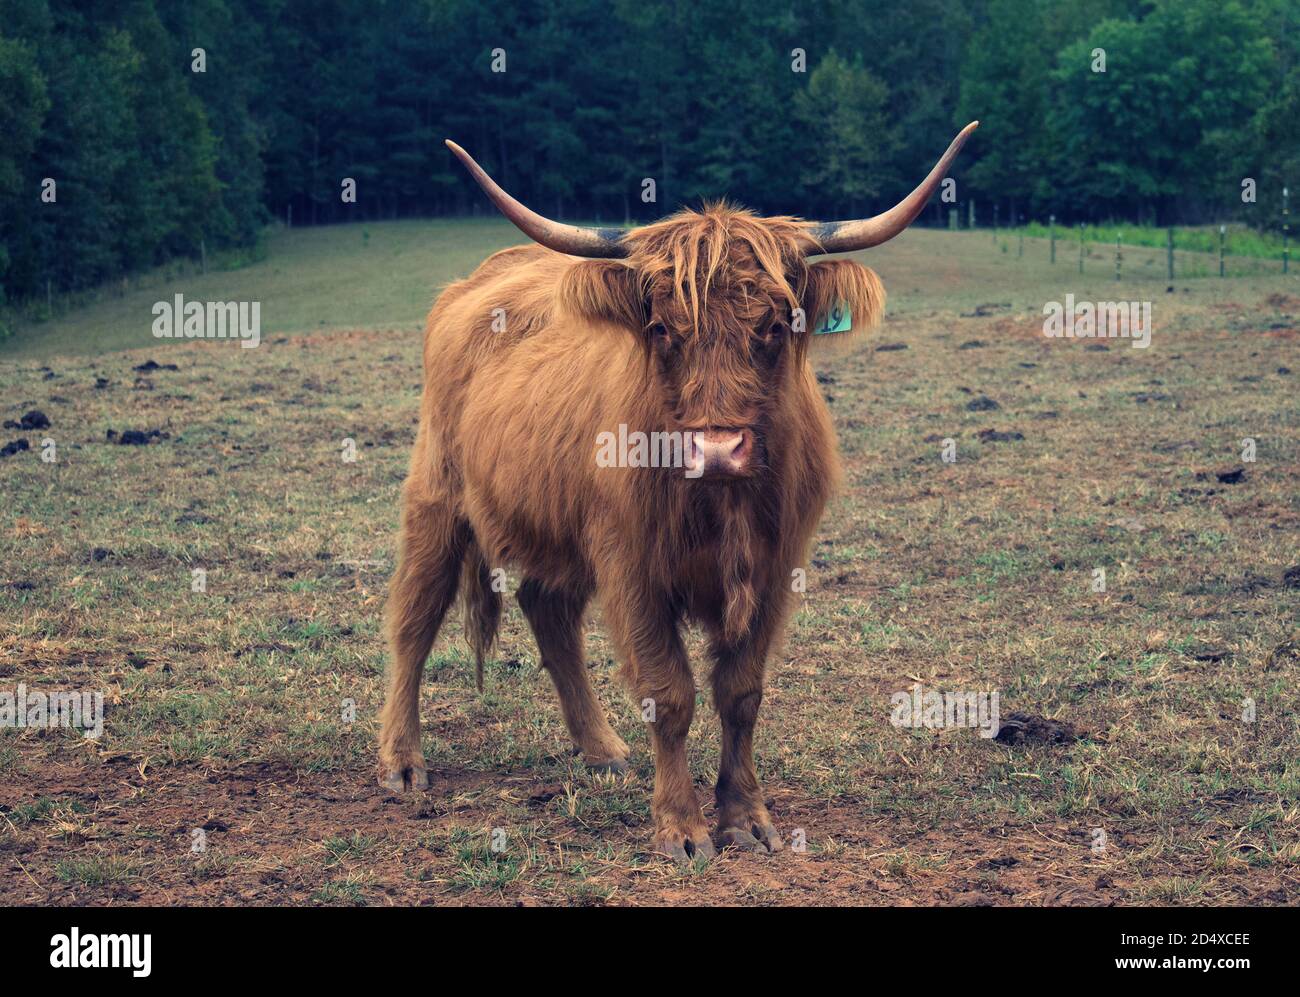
(699, 326)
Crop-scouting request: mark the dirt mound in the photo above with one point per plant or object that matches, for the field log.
(35, 419)
(1026, 728)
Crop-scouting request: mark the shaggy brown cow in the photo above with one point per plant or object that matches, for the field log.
(699, 324)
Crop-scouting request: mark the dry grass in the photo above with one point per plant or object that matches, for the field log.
(225, 708)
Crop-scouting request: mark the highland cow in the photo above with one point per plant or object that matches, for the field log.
(701, 324)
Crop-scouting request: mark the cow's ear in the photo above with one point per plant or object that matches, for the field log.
(842, 300)
(606, 291)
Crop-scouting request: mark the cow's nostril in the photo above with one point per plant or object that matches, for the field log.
(741, 450)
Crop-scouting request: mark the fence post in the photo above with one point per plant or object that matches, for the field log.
(1080, 247)
(1051, 221)
(1119, 253)
(1286, 250)
(1169, 246)
(995, 224)
(1223, 230)
(1020, 248)
(970, 215)
(952, 219)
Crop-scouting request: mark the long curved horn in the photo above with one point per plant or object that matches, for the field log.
(593, 242)
(845, 237)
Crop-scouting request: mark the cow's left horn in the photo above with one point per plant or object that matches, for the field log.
(571, 239)
(845, 237)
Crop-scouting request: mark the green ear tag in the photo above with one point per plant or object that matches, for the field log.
(838, 319)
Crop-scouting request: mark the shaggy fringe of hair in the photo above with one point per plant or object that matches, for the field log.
(691, 251)
(693, 254)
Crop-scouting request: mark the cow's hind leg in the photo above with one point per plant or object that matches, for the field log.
(556, 619)
(433, 544)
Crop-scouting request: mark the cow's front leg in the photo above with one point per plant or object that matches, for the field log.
(666, 691)
(743, 820)
(659, 674)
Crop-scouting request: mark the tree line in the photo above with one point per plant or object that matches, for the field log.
(137, 131)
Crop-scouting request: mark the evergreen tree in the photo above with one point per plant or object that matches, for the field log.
(825, 109)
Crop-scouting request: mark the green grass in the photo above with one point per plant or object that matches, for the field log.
(341, 893)
(1144, 249)
(381, 275)
(387, 274)
(354, 846)
(96, 871)
(1240, 240)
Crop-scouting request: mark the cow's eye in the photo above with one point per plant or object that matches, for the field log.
(662, 339)
(767, 344)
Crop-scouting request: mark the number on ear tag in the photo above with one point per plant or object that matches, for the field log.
(838, 319)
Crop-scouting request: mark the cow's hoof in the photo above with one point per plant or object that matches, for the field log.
(610, 766)
(685, 849)
(758, 838)
(404, 780)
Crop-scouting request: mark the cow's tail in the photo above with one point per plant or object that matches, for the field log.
(482, 607)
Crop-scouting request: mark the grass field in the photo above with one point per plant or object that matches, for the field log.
(386, 275)
(225, 709)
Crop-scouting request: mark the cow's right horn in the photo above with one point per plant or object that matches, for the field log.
(848, 237)
(572, 239)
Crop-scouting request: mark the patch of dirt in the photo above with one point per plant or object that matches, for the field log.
(266, 827)
(1283, 302)
(987, 309)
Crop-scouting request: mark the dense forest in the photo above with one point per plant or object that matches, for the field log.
(171, 127)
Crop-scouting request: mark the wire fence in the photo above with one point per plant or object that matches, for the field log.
(1203, 251)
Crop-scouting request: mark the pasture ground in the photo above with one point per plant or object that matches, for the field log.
(224, 708)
